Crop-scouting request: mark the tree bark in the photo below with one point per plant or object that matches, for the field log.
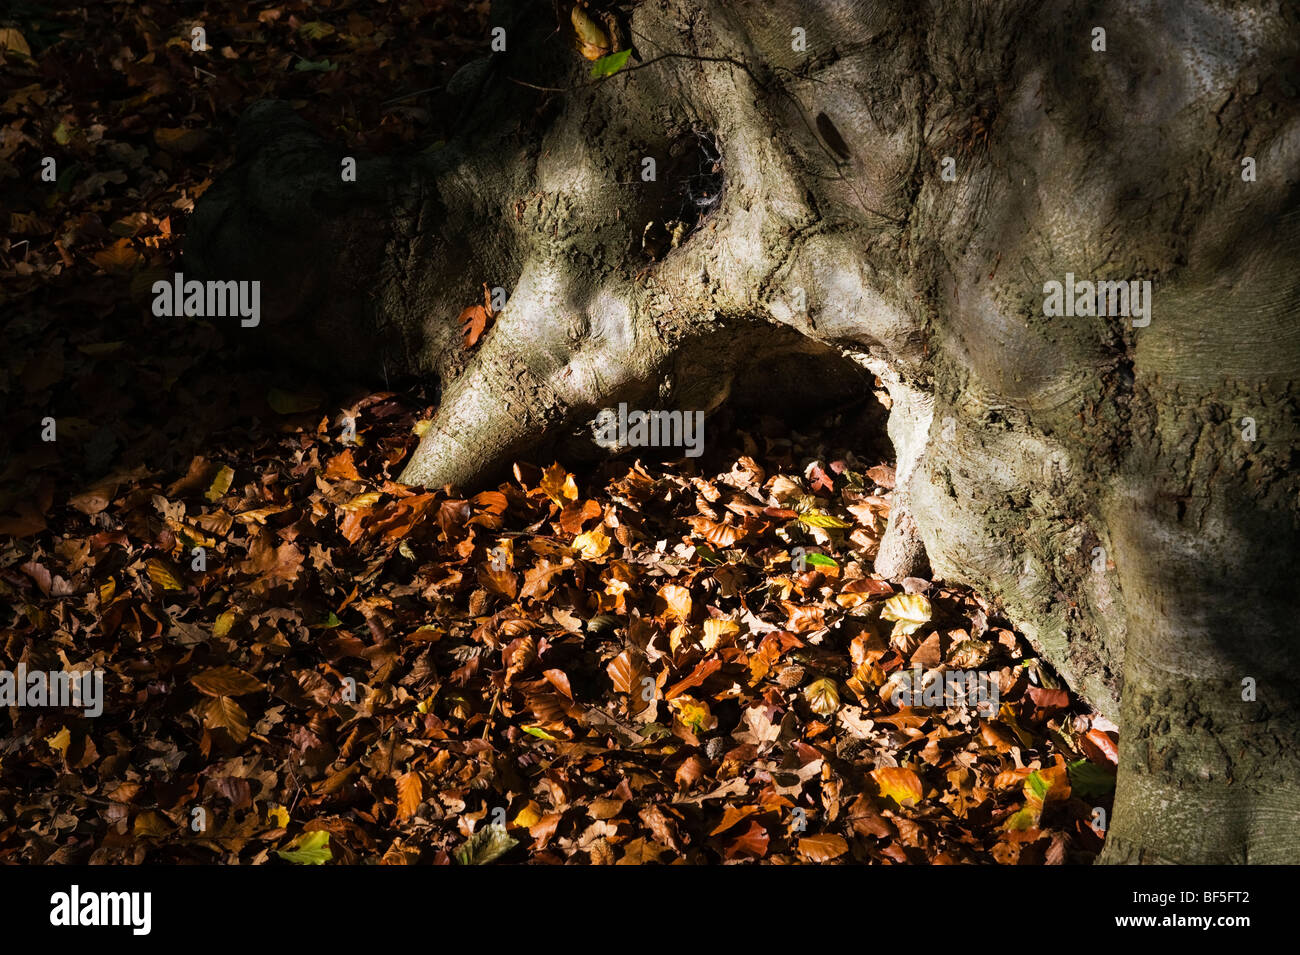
(895, 193)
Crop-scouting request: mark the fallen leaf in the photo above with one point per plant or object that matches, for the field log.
(909, 611)
(410, 793)
(486, 845)
(474, 322)
(822, 848)
(311, 848)
(226, 681)
(899, 784)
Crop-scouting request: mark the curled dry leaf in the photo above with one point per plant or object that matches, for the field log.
(716, 533)
(823, 697)
(909, 611)
(591, 545)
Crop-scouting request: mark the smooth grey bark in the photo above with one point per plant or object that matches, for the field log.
(1091, 475)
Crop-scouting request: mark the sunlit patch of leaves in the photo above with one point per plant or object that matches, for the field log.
(545, 671)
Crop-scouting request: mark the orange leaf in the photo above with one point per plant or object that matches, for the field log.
(752, 842)
(898, 783)
(503, 582)
(178, 141)
(719, 535)
(410, 793)
(626, 672)
(341, 466)
(732, 816)
(704, 670)
(804, 619)
(822, 848)
(474, 322)
(559, 485)
(1100, 748)
(560, 680)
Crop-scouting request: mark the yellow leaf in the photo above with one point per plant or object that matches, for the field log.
(420, 427)
(310, 848)
(161, 574)
(909, 611)
(591, 38)
(694, 714)
(278, 816)
(152, 825)
(224, 623)
(678, 599)
(315, 29)
(59, 741)
(716, 630)
(559, 485)
(592, 544)
(818, 519)
(220, 484)
(823, 697)
(529, 816)
(898, 783)
(368, 499)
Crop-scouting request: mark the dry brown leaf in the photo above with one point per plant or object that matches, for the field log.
(823, 848)
(474, 322)
(716, 533)
(627, 671)
(226, 681)
(224, 713)
(410, 793)
(679, 602)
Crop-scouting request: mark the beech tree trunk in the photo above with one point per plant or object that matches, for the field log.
(880, 190)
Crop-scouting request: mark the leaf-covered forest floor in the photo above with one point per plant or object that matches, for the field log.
(623, 665)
